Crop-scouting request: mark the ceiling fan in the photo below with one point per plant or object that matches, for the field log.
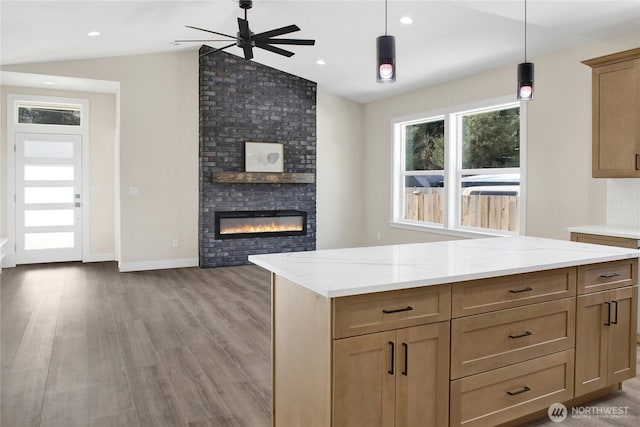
(247, 40)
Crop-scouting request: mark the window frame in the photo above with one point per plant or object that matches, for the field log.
(453, 171)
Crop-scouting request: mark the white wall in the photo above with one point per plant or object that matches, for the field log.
(158, 151)
(102, 122)
(560, 190)
(340, 189)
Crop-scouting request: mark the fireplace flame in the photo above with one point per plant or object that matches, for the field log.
(271, 227)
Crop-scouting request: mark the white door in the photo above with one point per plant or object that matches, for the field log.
(48, 198)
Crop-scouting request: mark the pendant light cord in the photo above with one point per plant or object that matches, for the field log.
(385, 17)
(525, 30)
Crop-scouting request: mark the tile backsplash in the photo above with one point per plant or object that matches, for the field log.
(623, 202)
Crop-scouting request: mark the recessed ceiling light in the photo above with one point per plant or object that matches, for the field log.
(93, 33)
(321, 62)
(406, 20)
(49, 83)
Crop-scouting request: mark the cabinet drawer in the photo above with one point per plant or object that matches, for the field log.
(504, 394)
(363, 314)
(597, 239)
(481, 296)
(488, 341)
(607, 275)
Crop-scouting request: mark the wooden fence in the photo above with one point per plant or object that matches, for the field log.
(494, 212)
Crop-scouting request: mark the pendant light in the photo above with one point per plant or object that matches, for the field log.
(386, 54)
(525, 69)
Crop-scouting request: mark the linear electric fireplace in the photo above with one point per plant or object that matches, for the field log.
(243, 224)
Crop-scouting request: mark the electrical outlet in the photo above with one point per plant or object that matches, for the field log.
(176, 243)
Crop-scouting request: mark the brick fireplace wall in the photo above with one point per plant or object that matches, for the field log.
(244, 101)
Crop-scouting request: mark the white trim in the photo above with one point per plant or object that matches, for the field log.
(12, 128)
(157, 265)
(107, 256)
(523, 167)
(446, 232)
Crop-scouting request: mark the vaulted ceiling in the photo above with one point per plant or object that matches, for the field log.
(447, 39)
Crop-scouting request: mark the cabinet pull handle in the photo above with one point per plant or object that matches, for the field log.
(397, 310)
(637, 163)
(517, 291)
(615, 322)
(393, 357)
(609, 275)
(524, 334)
(406, 359)
(522, 390)
(608, 314)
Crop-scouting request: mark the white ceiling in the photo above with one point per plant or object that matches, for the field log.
(447, 40)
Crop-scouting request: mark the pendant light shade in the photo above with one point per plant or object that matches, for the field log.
(386, 49)
(525, 69)
(386, 55)
(525, 81)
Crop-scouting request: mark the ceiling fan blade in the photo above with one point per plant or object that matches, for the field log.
(198, 41)
(243, 25)
(274, 49)
(277, 32)
(300, 42)
(215, 50)
(209, 31)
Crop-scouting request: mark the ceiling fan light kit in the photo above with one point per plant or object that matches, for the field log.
(525, 69)
(385, 55)
(246, 40)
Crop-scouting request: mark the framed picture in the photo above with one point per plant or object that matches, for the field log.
(263, 157)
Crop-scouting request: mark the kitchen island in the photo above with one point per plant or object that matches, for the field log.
(467, 332)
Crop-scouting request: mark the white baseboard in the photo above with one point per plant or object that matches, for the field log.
(157, 265)
(100, 257)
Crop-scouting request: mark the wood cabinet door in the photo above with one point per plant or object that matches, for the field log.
(616, 117)
(364, 379)
(422, 376)
(591, 342)
(622, 334)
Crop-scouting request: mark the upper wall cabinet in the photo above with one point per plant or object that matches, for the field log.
(616, 115)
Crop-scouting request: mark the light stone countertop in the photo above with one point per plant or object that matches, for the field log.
(627, 232)
(353, 271)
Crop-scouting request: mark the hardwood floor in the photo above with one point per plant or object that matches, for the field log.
(83, 345)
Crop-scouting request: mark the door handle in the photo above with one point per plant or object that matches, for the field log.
(638, 162)
(76, 204)
(406, 359)
(393, 357)
(615, 322)
(608, 314)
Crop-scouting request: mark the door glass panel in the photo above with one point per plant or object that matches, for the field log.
(48, 195)
(48, 149)
(48, 218)
(48, 173)
(61, 240)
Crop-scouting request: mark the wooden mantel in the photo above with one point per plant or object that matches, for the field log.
(262, 178)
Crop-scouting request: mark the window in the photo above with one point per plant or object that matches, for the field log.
(459, 169)
(44, 114)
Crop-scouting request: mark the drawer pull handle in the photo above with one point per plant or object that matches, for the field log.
(393, 357)
(637, 163)
(522, 390)
(615, 322)
(524, 334)
(398, 310)
(406, 359)
(609, 275)
(608, 314)
(517, 291)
